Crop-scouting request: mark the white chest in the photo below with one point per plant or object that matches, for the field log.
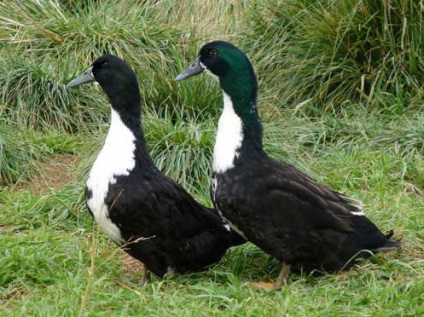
(229, 138)
(115, 159)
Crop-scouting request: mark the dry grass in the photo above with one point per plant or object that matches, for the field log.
(131, 265)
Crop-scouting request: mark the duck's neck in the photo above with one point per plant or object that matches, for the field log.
(131, 119)
(240, 89)
(126, 127)
(239, 134)
(125, 99)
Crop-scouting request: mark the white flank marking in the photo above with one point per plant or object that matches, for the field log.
(228, 138)
(227, 224)
(214, 187)
(115, 159)
(357, 213)
(237, 229)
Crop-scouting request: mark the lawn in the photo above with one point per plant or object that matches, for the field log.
(341, 99)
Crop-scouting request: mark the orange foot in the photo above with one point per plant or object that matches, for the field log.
(264, 285)
(281, 280)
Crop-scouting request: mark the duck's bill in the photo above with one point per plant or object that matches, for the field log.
(86, 77)
(194, 69)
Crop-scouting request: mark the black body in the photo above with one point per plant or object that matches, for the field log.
(294, 219)
(172, 230)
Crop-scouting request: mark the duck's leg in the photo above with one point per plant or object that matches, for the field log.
(280, 281)
(146, 275)
(282, 277)
(170, 270)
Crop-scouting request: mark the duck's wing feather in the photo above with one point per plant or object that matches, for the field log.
(283, 196)
(159, 206)
(171, 228)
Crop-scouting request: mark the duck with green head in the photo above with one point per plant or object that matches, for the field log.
(304, 224)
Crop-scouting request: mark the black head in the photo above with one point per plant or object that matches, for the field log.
(116, 78)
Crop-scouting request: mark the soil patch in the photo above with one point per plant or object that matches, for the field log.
(57, 171)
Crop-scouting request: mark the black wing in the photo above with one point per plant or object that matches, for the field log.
(172, 229)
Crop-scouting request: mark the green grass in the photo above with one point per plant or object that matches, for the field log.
(57, 263)
(368, 144)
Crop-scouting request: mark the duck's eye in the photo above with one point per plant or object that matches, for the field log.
(105, 65)
(212, 53)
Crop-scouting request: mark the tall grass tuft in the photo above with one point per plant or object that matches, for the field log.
(49, 42)
(33, 95)
(182, 149)
(336, 51)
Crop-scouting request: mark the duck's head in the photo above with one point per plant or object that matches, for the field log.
(116, 78)
(227, 62)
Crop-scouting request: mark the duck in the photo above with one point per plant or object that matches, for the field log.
(305, 225)
(146, 213)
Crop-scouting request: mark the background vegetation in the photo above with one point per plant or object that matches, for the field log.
(341, 98)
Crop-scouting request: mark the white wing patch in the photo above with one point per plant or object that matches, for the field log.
(115, 159)
(357, 204)
(228, 138)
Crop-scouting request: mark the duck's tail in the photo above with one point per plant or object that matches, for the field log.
(390, 245)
